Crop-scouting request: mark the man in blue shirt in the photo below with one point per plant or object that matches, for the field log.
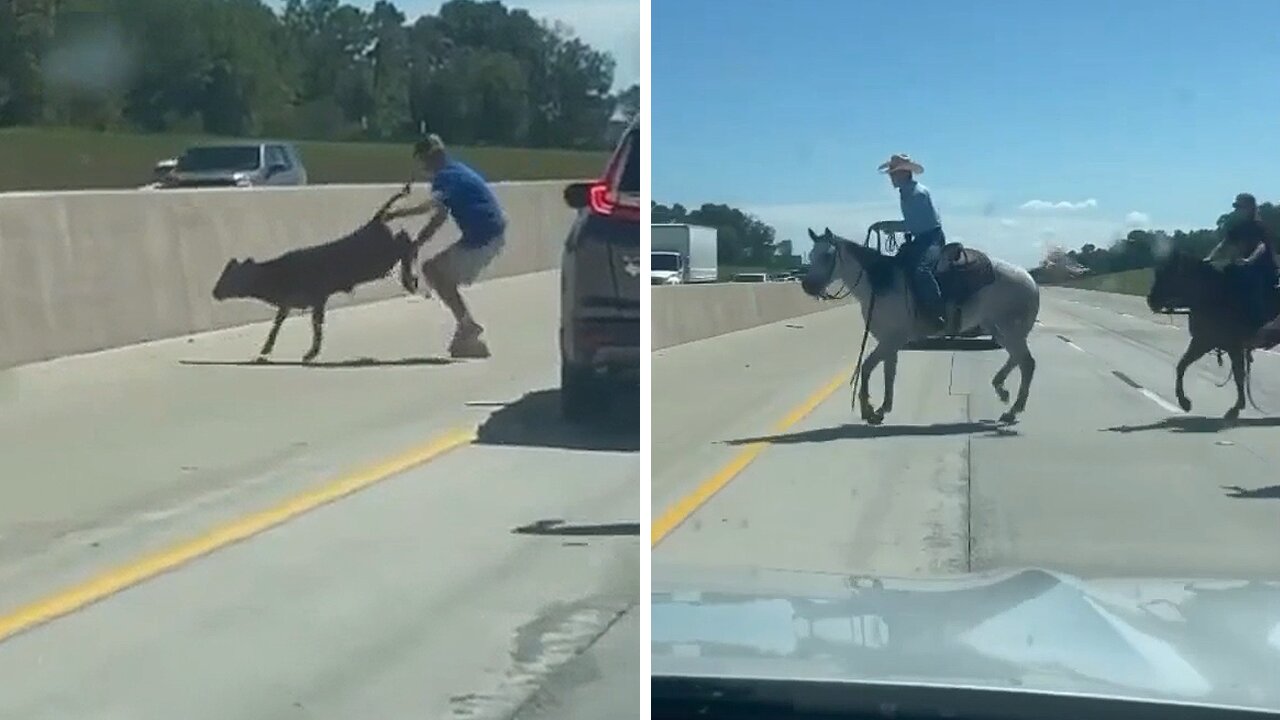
(460, 191)
(921, 221)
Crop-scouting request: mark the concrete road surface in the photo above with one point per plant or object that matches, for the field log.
(384, 534)
(1102, 476)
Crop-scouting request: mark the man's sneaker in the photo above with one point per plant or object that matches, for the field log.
(467, 343)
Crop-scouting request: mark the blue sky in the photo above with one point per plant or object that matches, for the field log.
(1038, 123)
(609, 25)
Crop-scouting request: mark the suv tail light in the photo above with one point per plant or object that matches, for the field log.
(604, 202)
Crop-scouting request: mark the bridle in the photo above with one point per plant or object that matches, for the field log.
(835, 263)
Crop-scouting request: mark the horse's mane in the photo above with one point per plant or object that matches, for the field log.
(878, 266)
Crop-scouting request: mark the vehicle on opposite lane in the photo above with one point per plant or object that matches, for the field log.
(237, 165)
(600, 286)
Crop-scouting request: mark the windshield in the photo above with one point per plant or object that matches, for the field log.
(222, 158)
(1044, 375)
(666, 261)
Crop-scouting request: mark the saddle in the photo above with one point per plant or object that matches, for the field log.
(961, 272)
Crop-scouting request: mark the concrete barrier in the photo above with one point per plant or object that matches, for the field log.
(86, 271)
(684, 313)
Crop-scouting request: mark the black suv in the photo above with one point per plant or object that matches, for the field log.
(600, 286)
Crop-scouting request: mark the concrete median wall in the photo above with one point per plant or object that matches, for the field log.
(86, 271)
(684, 313)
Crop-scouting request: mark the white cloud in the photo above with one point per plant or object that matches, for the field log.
(1137, 219)
(1040, 205)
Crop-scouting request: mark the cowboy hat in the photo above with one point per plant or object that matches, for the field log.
(901, 162)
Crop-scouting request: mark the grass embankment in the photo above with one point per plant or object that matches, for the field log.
(73, 159)
(1129, 282)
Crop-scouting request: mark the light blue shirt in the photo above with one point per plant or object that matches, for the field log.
(918, 214)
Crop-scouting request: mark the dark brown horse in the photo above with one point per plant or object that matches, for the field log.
(1218, 318)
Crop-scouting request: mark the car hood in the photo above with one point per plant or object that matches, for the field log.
(1191, 641)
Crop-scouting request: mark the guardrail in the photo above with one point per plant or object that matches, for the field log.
(88, 270)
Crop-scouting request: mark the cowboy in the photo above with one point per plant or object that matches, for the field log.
(1246, 245)
(458, 190)
(924, 227)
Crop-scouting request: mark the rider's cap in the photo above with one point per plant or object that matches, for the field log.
(1245, 200)
(901, 162)
(428, 146)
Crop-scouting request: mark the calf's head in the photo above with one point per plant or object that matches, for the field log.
(236, 280)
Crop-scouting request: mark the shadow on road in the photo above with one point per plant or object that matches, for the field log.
(862, 432)
(326, 364)
(535, 420)
(1263, 493)
(559, 528)
(1196, 424)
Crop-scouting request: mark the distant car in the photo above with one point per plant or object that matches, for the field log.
(238, 165)
(600, 286)
(750, 278)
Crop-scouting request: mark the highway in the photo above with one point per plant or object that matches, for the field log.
(384, 534)
(759, 461)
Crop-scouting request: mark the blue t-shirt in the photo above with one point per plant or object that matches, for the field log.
(471, 203)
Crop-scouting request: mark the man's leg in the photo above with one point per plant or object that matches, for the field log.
(928, 294)
(442, 277)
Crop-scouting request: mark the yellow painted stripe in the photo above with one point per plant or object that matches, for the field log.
(117, 579)
(682, 509)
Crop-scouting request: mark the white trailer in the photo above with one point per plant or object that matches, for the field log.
(683, 254)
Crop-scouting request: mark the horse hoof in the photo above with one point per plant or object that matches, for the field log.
(1002, 394)
(875, 418)
(1185, 404)
(1232, 414)
(261, 360)
(1009, 418)
(309, 357)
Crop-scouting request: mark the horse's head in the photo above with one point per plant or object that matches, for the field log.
(1175, 280)
(822, 263)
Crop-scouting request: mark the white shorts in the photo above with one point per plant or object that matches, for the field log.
(466, 263)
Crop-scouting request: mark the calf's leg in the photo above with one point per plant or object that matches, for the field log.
(281, 314)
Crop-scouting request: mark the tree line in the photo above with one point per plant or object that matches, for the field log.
(1143, 248)
(475, 72)
(744, 240)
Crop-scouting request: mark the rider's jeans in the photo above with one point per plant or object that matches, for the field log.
(921, 254)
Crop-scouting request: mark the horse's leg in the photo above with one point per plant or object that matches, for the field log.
(1020, 355)
(1001, 375)
(874, 358)
(1196, 349)
(1238, 371)
(890, 376)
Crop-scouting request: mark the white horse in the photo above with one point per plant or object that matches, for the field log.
(1005, 306)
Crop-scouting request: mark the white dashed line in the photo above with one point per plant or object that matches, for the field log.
(1073, 345)
(1160, 401)
(1125, 314)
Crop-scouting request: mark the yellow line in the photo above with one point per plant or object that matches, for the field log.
(117, 579)
(682, 509)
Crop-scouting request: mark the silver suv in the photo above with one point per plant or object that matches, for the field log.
(238, 165)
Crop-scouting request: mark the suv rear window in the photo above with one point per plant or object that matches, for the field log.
(630, 180)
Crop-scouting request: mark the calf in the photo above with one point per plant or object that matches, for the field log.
(305, 278)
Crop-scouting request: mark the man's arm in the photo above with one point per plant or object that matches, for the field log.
(412, 210)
